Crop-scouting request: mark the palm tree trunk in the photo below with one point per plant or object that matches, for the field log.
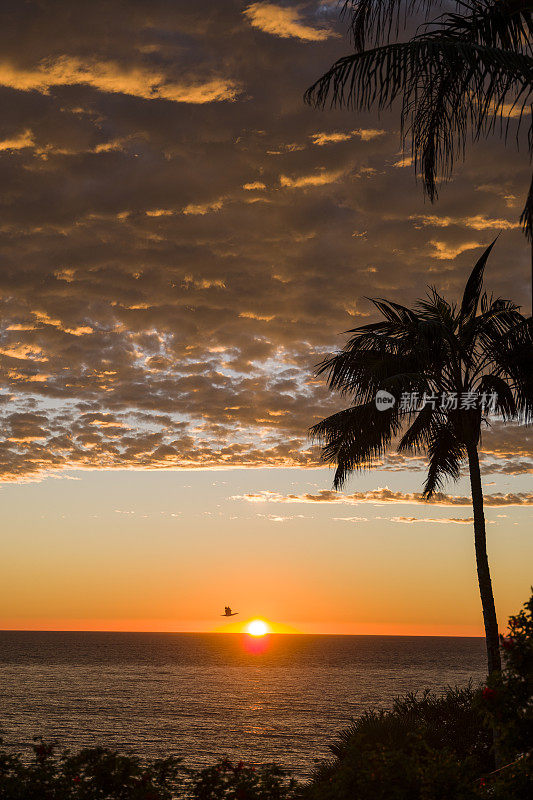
(526, 220)
(482, 563)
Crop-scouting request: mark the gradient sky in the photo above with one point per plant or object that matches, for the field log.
(181, 241)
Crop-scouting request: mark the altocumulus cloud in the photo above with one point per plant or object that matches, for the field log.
(180, 236)
(385, 495)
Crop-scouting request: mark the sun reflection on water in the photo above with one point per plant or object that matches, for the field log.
(256, 645)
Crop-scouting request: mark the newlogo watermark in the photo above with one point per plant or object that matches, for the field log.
(446, 401)
(384, 400)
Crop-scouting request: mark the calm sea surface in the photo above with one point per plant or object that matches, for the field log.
(202, 696)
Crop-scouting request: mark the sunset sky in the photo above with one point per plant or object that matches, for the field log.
(182, 240)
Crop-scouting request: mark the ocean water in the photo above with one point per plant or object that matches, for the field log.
(203, 696)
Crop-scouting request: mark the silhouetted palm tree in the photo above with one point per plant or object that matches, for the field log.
(457, 78)
(447, 356)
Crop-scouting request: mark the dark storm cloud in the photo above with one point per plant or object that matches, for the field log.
(182, 239)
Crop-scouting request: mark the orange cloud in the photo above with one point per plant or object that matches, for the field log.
(253, 185)
(78, 330)
(24, 352)
(366, 135)
(199, 209)
(443, 250)
(284, 22)
(18, 142)
(318, 179)
(111, 77)
(477, 223)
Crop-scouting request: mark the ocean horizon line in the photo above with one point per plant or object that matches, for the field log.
(245, 633)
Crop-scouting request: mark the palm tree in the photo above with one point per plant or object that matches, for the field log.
(454, 359)
(460, 76)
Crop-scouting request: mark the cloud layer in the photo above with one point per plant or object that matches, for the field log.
(385, 495)
(182, 239)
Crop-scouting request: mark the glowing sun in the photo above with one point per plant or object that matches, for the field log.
(257, 628)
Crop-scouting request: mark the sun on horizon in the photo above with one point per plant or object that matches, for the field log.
(257, 627)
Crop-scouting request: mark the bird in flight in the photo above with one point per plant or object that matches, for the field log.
(228, 612)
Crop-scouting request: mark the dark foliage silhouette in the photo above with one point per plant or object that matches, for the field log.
(438, 746)
(508, 698)
(98, 773)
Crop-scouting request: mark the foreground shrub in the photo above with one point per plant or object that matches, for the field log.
(426, 747)
(90, 774)
(101, 774)
(242, 782)
(431, 747)
(508, 699)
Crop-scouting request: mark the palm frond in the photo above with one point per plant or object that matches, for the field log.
(355, 438)
(473, 287)
(381, 75)
(361, 384)
(377, 20)
(395, 312)
(463, 100)
(419, 434)
(371, 357)
(511, 355)
(505, 24)
(526, 217)
(445, 452)
(505, 403)
(456, 80)
(481, 336)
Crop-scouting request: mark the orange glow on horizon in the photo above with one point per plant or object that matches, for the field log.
(121, 625)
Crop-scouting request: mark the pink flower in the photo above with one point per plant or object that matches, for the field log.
(489, 694)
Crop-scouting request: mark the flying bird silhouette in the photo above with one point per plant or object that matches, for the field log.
(228, 612)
